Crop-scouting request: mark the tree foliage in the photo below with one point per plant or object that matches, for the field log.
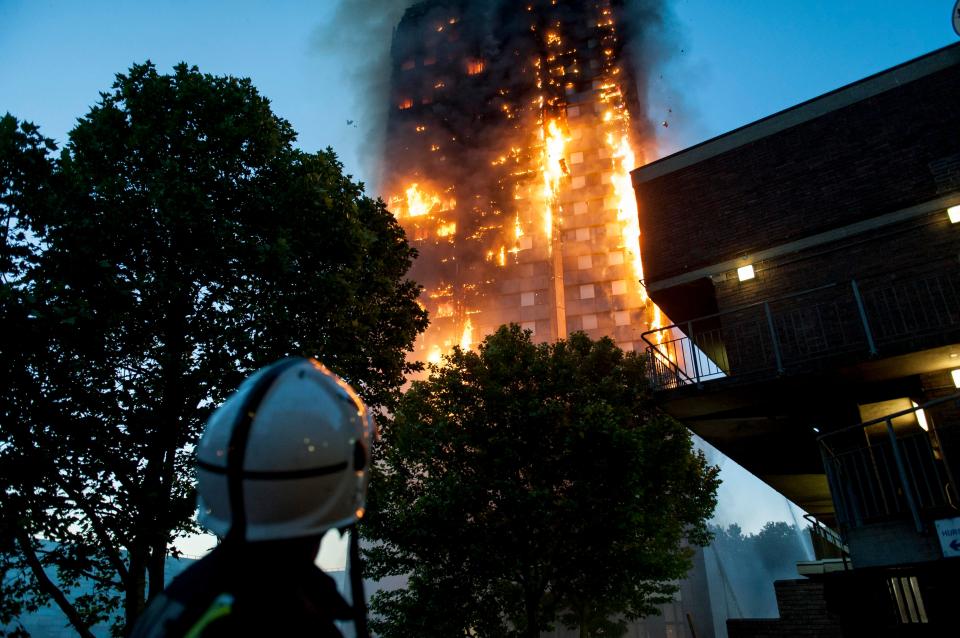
(179, 242)
(523, 484)
(750, 563)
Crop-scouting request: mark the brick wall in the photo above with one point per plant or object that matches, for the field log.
(876, 156)
(803, 613)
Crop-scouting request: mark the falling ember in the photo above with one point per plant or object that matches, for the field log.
(466, 340)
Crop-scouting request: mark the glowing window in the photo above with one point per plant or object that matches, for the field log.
(614, 258)
(583, 234)
(589, 322)
(626, 346)
(606, 178)
(527, 298)
(529, 325)
(429, 60)
(954, 213)
(580, 208)
(745, 273)
(621, 317)
(576, 158)
(526, 242)
(619, 287)
(405, 104)
(475, 66)
(584, 262)
(408, 65)
(586, 291)
(573, 111)
(578, 182)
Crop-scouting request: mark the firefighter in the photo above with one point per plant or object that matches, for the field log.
(281, 462)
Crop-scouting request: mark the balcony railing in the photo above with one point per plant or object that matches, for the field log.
(804, 329)
(884, 470)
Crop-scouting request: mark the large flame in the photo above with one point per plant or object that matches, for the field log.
(417, 201)
(466, 340)
(627, 214)
(554, 145)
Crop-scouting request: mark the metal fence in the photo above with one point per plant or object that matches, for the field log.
(797, 330)
(877, 473)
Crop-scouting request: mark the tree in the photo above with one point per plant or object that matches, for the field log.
(523, 483)
(750, 563)
(186, 243)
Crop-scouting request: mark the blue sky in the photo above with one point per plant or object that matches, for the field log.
(732, 62)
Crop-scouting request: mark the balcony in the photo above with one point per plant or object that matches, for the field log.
(825, 327)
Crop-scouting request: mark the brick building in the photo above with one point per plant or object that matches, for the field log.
(811, 263)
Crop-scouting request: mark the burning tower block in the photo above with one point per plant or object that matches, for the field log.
(510, 139)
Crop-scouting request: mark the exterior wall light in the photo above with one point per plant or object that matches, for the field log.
(745, 272)
(954, 213)
(956, 377)
(921, 417)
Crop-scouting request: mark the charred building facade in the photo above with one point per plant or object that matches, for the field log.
(513, 129)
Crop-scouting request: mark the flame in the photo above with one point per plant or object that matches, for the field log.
(447, 229)
(553, 170)
(416, 202)
(527, 185)
(475, 66)
(627, 214)
(466, 340)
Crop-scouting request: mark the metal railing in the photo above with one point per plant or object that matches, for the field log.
(803, 329)
(876, 473)
(827, 542)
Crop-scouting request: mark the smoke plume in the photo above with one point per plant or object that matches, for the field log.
(363, 29)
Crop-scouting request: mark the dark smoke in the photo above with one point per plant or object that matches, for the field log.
(359, 32)
(660, 57)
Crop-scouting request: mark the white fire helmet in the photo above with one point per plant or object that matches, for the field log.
(285, 456)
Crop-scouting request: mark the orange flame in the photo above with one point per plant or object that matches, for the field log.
(466, 340)
(553, 170)
(416, 202)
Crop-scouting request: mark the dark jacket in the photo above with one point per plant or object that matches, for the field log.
(256, 589)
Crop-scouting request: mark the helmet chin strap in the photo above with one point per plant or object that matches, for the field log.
(357, 596)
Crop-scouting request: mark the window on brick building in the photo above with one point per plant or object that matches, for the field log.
(589, 322)
(586, 291)
(527, 298)
(621, 317)
(584, 262)
(615, 258)
(619, 287)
